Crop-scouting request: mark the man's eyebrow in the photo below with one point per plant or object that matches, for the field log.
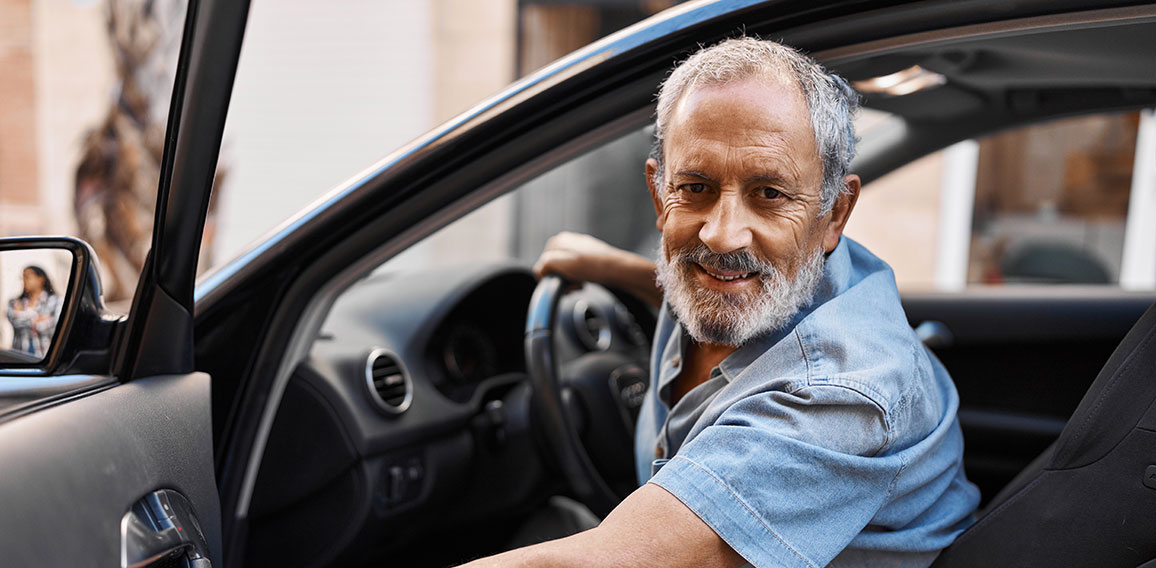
(762, 178)
(694, 174)
(770, 179)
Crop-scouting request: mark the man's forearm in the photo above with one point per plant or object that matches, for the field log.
(650, 528)
(635, 274)
(583, 258)
(582, 550)
(594, 548)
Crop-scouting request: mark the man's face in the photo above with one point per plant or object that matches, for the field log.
(742, 240)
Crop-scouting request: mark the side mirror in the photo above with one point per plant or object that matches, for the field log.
(54, 320)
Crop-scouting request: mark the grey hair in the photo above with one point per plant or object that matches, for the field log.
(832, 103)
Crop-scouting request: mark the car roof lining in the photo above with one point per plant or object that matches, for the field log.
(1016, 73)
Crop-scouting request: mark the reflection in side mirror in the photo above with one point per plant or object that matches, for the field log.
(32, 286)
(54, 320)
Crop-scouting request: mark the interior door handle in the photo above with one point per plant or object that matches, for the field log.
(159, 527)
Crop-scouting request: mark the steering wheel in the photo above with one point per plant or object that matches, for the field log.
(586, 413)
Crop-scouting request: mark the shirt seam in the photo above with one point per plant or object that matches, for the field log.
(857, 387)
(888, 431)
(895, 479)
(806, 355)
(747, 508)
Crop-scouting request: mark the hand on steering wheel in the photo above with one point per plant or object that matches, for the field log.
(582, 405)
(583, 258)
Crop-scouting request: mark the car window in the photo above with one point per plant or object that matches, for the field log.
(83, 110)
(321, 93)
(1042, 204)
(602, 192)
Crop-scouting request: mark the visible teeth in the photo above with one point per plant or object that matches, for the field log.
(729, 278)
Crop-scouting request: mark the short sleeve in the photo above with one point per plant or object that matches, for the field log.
(787, 478)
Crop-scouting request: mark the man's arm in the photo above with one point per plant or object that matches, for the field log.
(650, 528)
(584, 258)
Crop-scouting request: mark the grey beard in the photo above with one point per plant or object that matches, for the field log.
(733, 319)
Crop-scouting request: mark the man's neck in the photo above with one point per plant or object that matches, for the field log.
(700, 359)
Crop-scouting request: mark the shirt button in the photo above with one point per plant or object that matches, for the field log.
(658, 451)
(675, 361)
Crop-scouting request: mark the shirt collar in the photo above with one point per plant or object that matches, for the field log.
(673, 354)
(837, 277)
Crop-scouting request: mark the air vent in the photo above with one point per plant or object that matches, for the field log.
(389, 384)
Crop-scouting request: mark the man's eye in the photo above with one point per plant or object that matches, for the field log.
(694, 187)
(770, 193)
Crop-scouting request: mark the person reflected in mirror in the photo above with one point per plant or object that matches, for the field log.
(33, 314)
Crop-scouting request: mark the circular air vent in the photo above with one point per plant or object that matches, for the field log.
(389, 385)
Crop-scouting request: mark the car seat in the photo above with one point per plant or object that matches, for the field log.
(1089, 499)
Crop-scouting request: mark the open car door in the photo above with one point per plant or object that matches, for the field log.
(106, 441)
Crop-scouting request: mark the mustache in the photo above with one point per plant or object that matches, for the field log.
(736, 261)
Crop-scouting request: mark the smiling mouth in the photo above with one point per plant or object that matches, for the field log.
(726, 275)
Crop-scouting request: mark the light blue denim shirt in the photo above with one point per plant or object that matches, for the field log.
(833, 441)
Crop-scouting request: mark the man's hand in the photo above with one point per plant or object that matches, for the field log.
(583, 258)
(650, 528)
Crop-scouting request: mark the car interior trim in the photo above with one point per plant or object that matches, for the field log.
(20, 396)
(117, 442)
(904, 141)
(974, 32)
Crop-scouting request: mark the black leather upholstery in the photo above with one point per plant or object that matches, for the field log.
(1084, 502)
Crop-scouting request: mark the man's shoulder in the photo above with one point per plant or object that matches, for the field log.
(853, 336)
(859, 338)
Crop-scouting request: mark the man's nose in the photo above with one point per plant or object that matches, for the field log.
(728, 225)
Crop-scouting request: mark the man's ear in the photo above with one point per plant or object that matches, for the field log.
(655, 192)
(840, 212)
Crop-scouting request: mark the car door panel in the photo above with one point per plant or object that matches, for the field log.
(1022, 361)
(72, 473)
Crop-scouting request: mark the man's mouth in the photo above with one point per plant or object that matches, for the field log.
(725, 275)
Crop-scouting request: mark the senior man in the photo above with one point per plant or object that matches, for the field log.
(793, 417)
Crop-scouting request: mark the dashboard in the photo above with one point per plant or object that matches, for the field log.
(408, 434)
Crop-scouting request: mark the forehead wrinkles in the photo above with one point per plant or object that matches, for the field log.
(759, 119)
